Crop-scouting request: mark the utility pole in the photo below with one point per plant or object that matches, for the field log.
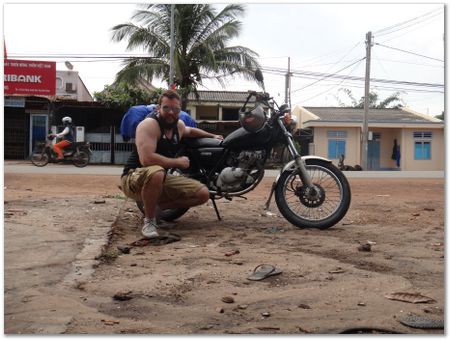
(172, 44)
(365, 131)
(287, 97)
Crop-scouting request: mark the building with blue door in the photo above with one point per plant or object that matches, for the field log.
(399, 139)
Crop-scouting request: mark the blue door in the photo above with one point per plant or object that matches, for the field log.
(373, 155)
(38, 129)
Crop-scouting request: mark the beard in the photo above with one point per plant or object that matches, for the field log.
(168, 125)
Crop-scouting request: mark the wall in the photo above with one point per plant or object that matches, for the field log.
(352, 147)
(437, 161)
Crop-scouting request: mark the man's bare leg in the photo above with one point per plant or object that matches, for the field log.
(200, 197)
(151, 191)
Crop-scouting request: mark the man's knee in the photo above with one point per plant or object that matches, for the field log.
(203, 195)
(155, 181)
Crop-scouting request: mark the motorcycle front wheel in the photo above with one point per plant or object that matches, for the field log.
(39, 158)
(80, 159)
(320, 208)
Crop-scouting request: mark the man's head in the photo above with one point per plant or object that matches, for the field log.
(169, 107)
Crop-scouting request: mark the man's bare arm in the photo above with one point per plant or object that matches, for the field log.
(147, 136)
(197, 133)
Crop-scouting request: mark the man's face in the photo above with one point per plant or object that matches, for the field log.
(169, 111)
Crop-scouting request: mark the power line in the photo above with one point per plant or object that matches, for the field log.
(326, 76)
(387, 30)
(398, 49)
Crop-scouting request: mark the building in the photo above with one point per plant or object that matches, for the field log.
(418, 138)
(28, 118)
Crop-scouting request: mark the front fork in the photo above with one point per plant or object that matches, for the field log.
(298, 161)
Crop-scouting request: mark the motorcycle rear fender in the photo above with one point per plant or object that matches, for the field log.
(291, 164)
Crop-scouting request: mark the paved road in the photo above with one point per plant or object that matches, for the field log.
(25, 167)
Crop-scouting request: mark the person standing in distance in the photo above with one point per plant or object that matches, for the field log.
(145, 176)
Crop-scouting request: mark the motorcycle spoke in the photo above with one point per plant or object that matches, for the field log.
(320, 178)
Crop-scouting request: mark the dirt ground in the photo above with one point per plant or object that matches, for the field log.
(198, 285)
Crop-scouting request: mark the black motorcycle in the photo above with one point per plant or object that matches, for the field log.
(78, 153)
(310, 192)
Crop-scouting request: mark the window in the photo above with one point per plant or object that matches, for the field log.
(230, 114)
(422, 145)
(336, 144)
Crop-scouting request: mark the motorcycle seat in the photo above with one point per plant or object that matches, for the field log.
(202, 142)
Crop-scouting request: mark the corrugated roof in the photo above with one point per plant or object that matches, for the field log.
(351, 114)
(220, 96)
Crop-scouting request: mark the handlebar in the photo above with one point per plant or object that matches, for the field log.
(265, 98)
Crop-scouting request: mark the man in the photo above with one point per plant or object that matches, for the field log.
(144, 177)
(67, 136)
(137, 113)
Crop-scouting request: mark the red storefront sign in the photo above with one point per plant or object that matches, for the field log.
(26, 77)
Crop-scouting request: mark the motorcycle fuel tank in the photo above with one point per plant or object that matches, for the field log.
(242, 139)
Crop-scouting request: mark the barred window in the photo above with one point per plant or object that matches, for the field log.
(422, 145)
(336, 144)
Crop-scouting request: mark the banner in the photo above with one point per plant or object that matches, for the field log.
(28, 78)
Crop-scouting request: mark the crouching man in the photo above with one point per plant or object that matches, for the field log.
(145, 176)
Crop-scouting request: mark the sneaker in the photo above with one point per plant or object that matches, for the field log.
(149, 230)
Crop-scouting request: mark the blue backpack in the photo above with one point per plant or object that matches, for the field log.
(136, 114)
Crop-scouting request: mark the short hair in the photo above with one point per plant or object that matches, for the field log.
(171, 94)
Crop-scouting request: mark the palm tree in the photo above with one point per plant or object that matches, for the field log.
(201, 51)
(374, 102)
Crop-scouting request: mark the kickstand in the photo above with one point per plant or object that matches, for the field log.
(266, 206)
(215, 208)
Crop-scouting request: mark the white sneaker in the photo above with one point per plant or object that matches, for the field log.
(149, 230)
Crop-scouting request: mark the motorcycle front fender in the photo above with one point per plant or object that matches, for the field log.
(291, 165)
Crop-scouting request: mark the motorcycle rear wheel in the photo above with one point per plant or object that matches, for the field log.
(39, 158)
(167, 215)
(80, 159)
(322, 211)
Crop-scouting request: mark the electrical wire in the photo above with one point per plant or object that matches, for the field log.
(302, 88)
(398, 49)
(389, 30)
(329, 89)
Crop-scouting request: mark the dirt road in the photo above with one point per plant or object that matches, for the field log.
(199, 284)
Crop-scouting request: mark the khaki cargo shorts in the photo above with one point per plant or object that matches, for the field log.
(174, 187)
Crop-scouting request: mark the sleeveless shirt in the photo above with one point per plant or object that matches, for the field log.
(165, 147)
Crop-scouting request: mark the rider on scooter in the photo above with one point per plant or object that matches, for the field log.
(67, 136)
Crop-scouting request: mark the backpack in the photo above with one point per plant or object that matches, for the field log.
(136, 114)
(132, 118)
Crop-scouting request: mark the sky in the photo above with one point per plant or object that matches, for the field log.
(324, 44)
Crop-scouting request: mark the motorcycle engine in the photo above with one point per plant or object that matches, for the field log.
(238, 176)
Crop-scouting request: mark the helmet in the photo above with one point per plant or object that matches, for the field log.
(253, 120)
(66, 120)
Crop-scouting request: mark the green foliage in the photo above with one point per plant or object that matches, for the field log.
(123, 95)
(441, 116)
(393, 101)
(201, 38)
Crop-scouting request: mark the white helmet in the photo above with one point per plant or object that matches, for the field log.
(253, 120)
(67, 120)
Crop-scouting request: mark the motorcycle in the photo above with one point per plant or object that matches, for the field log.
(79, 153)
(310, 192)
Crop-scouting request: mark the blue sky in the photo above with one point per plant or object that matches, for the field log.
(318, 39)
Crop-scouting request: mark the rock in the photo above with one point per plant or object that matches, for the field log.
(228, 299)
(122, 296)
(365, 247)
(124, 249)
